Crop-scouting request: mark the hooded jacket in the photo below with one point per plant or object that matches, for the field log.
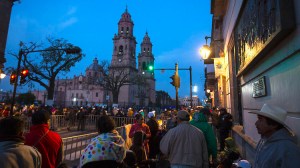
(199, 121)
(277, 151)
(13, 153)
(50, 146)
(106, 146)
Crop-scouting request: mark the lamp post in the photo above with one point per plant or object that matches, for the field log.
(20, 54)
(205, 51)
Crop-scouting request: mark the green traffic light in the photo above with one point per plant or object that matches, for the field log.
(150, 68)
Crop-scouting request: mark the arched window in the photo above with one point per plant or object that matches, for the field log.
(122, 29)
(127, 30)
(148, 50)
(144, 67)
(121, 49)
(144, 50)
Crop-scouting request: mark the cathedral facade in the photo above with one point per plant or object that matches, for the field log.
(87, 89)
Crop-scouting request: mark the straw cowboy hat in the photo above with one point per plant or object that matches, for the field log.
(275, 113)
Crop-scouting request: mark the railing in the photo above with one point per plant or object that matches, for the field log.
(59, 122)
(73, 147)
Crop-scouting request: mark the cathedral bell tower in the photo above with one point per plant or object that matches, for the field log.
(145, 59)
(124, 44)
(124, 58)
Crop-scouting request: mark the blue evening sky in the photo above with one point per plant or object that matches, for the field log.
(176, 28)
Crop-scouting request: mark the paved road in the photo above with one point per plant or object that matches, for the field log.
(65, 133)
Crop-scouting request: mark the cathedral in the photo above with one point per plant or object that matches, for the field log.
(87, 89)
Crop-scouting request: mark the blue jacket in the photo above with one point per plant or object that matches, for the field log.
(278, 151)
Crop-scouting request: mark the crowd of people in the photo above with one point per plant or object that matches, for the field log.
(187, 138)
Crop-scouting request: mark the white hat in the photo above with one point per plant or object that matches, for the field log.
(275, 113)
(151, 114)
(243, 164)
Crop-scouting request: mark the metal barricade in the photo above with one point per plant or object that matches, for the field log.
(59, 122)
(73, 147)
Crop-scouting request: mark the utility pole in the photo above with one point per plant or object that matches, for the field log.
(16, 80)
(176, 86)
(191, 87)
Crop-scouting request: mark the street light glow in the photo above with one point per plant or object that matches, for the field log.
(195, 89)
(205, 51)
(2, 75)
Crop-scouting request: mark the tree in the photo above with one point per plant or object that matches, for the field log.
(114, 78)
(44, 67)
(26, 98)
(163, 99)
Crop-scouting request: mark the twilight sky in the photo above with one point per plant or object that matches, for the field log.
(176, 28)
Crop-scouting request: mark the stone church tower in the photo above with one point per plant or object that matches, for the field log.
(124, 57)
(146, 58)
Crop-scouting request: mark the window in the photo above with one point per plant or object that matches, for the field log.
(144, 50)
(127, 30)
(122, 29)
(76, 95)
(121, 49)
(96, 94)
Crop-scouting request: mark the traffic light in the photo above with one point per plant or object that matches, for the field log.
(150, 68)
(175, 80)
(24, 74)
(13, 77)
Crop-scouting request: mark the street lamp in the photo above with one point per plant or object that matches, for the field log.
(2, 75)
(205, 51)
(73, 50)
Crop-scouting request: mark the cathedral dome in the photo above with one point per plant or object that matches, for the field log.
(94, 66)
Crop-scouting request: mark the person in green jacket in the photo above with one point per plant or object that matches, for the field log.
(200, 121)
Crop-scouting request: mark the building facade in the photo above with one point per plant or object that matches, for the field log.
(5, 12)
(256, 60)
(87, 89)
(186, 101)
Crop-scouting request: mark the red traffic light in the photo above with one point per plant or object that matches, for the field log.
(13, 78)
(24, 72)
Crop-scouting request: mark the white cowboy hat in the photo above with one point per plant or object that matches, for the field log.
(275, 113)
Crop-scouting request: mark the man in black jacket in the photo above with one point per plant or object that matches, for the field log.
(224, 126)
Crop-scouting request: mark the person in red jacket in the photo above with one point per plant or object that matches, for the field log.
(48, 143)
(142, 127)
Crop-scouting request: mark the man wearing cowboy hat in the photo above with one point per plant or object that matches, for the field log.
(277, 146)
